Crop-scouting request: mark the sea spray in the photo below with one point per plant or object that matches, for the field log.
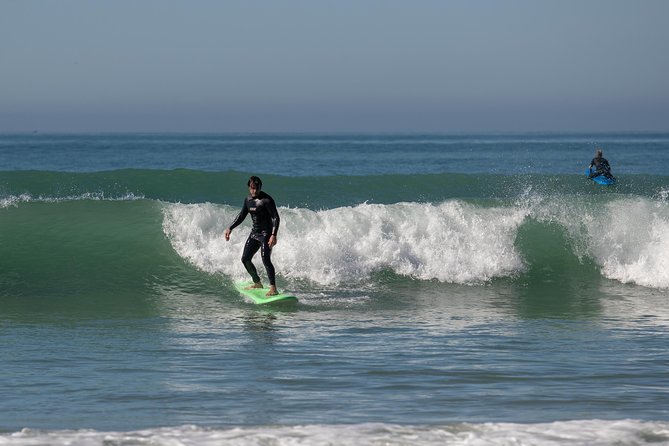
(630, 241)
(627, 237)
(451, 242)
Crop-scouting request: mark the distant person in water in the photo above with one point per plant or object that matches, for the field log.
(263, 234)
(601, 165)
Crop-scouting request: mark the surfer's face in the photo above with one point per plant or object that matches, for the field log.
(254, 190)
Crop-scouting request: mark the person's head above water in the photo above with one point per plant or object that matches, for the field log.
(255, 181)
(254, 184)
(599, 153)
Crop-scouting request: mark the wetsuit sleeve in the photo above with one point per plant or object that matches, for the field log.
(241, 216)
(274, 215)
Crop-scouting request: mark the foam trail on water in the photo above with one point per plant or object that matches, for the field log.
(15, 200)
(576, 433)
(452, 241)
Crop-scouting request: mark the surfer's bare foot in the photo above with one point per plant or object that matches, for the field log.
(254, 286)
(272, 291)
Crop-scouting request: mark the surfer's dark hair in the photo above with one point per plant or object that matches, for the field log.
(256, 181)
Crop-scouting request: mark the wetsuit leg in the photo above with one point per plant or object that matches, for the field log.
(266, 253)
(250, 248)
(597, 173)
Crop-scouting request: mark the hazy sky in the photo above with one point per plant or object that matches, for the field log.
(335, 65)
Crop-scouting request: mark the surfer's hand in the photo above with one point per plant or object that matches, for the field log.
(272, 241)
(227, 234)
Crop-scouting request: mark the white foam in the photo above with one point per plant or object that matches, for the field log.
(15, 200)
(196, 233)
(630, 240)
(451, 242)
(628, 237)
(573, 433)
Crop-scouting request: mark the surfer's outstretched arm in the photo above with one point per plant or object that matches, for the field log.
(238, 220)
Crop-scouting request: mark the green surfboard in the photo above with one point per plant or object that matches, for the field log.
(257, 295)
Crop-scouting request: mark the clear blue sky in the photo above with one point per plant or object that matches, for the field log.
(335, 65)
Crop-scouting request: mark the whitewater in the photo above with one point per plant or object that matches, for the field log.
(453, 241)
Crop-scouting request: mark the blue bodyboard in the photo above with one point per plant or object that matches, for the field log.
(601, 179)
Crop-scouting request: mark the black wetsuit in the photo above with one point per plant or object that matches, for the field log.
(265, 224)
(602, 167)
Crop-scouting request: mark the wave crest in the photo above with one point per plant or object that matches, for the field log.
(452, 242)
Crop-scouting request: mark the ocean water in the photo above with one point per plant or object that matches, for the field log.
(453, 289)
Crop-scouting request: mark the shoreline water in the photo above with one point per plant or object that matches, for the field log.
(577, 432)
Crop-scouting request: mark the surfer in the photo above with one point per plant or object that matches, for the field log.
(263, 234)
(601, 165)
